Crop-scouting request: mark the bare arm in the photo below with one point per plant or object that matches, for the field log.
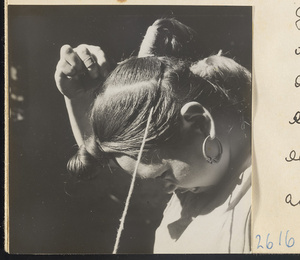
(79, 72)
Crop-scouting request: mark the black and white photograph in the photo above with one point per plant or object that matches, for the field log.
(129, 129)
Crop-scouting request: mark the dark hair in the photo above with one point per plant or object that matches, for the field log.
(232, 80)
(121, 109)
(169, 37)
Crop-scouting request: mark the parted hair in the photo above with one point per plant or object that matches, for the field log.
(121, 108)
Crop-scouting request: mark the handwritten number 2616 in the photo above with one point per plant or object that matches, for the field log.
(289, 242)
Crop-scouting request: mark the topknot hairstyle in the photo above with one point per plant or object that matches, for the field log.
(169, 37)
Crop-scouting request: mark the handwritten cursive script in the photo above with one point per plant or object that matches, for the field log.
(297, 23)
(289, 200)
(297, 84)
(292, 157)
(296, 118)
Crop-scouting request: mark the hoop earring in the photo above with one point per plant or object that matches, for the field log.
(212, 159)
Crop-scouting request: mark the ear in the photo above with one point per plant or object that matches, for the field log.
(196, 117)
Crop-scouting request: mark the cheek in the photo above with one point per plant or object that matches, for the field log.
(193, 172)
(185, 173)
(185, 165)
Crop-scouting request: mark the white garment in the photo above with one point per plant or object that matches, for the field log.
(211, 222)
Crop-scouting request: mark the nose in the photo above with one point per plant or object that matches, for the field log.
(167, 176)
(169, 187)
(168, 182)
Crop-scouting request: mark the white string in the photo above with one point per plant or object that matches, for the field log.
(122, 220)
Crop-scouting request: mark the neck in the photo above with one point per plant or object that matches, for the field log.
(240, 148)
(237, 143)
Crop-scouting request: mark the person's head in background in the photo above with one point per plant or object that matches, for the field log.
(205, 102)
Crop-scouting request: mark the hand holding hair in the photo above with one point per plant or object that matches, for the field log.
(79, 72)
(80, 69)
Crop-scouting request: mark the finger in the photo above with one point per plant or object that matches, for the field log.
(65, 84)
(70, 56)
(62, 79)
(65, 74)
(88, 60)
(65, 68)
(100, 58)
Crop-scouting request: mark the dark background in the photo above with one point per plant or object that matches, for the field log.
(49, 212)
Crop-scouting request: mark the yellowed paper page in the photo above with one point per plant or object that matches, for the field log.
(276, 135)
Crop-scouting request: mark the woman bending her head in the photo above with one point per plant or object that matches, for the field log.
(198, 142)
